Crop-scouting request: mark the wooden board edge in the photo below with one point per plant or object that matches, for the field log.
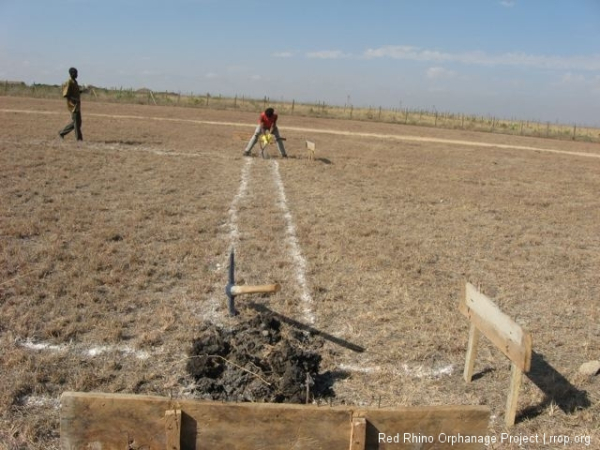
(519, 351)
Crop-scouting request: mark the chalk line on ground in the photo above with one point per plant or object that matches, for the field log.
(329, 131)
(295, 252)
(216, 302)
(413, 371)
(86, 351)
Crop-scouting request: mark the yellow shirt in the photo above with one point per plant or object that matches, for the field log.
(71, 92)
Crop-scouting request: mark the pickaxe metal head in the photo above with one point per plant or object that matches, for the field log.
(230, 284)
(232, 290)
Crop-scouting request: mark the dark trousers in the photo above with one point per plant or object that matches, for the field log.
(74, 125)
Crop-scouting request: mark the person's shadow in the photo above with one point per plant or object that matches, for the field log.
(556, 388)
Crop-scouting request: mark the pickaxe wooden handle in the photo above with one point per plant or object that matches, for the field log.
(261, 289)
(232, 290)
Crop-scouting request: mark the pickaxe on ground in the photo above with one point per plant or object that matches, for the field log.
(232, 290)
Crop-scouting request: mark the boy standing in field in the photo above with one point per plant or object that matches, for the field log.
(266, 123)
(72, 93)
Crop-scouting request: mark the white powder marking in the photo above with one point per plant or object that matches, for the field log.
(328, 131)
(41, 401)
(215, 306)
(294, 246)
(234, 233)
(44, 346)
(90, 352)
(415, 371)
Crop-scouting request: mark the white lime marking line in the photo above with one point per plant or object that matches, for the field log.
(90, 352)
(414, 371)
(328, 131)
(216, 303)
(294, 246)
(94, 351)
(234, 233)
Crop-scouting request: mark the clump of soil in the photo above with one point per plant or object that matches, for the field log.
(259, 360)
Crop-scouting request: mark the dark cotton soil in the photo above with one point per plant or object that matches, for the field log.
(259, 360)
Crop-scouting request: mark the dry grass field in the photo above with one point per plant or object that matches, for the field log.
(114, 252)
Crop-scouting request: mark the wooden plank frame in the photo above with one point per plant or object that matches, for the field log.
(486, 318)
(122, 421)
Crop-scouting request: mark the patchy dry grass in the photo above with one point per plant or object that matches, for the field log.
(113, 252)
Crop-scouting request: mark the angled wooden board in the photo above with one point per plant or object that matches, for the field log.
(498, 327)
(116, 421)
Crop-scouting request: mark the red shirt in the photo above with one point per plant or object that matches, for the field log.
(267, 122)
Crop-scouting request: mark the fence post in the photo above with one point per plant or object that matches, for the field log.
(293, 104)
(574, 132)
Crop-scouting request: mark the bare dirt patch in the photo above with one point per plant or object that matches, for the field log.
(113, 255)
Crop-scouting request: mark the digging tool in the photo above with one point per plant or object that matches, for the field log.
(232, 290)
(265, 140)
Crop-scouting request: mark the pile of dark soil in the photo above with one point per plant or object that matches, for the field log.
(259, 360)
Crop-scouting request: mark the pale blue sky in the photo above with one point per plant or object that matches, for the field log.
(522, 59)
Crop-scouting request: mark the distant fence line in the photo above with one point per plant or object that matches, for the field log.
(419, 117)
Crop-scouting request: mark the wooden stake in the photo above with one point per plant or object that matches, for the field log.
(513, 395)
(471, 353)
(311, 147)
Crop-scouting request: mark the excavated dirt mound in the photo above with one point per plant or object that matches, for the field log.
(260, 360)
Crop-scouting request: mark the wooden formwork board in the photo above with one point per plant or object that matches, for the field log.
(118, 421)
